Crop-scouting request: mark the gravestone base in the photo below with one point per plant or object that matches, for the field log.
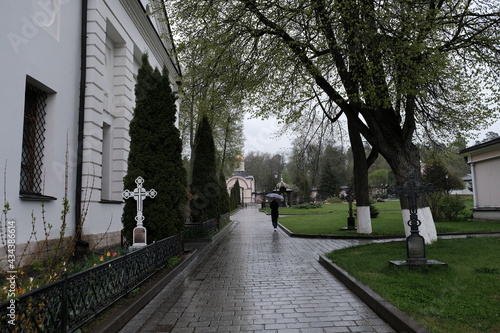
(348, 228)
(415, 249)
(139, 238)
(417, 263)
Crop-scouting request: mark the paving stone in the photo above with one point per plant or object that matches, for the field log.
(258, 280)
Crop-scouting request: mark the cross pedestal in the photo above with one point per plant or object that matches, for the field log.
(139, 235)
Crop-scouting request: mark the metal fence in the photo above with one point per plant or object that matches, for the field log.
(65, 305)
(204, 229)
(224, 218)
(200, 230)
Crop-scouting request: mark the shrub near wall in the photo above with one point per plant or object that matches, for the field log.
(447, 207)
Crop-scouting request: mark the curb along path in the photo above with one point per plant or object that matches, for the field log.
(259, 280)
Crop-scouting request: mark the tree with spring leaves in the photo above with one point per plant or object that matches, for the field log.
(395, 69)
(206, 90)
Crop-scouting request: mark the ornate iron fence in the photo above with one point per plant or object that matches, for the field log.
(200, 230)
(204, 229)
(224, 218)
(65, 305)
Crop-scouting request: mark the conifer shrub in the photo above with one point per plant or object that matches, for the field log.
(205, 186)
(155, 155)
(235, 195)
(224, 196)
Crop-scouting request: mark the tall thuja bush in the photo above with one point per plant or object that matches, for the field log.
(235, 195)
(155, 155)
(224, 196)
(205, 186)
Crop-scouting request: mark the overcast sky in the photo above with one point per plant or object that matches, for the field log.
(261, 136)
(480, 135)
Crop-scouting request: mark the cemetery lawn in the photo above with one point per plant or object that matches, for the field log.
(329, 219)
(464, 297)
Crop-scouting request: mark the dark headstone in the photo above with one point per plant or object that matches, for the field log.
(415, 249)
(139, 235)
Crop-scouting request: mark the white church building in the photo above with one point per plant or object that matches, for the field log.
(68, 76)
(246, 183)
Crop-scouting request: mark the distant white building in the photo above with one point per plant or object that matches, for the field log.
(68, 77)
(246, 183)
(484, 161)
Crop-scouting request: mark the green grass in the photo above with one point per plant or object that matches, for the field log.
(331, 218)
(464, 297)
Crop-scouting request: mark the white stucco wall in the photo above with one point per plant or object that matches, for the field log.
(487, 180)
(484, 160)
(43, 43)
(111, 98)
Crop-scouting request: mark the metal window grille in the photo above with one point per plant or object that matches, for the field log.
(33, 140)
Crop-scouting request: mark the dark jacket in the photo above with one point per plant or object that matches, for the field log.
(274, 208)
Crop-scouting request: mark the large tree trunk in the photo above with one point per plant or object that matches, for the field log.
(361, 187)
(384, 132)
(401, 161)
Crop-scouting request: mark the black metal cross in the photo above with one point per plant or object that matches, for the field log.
(350, 220)
(412, 191)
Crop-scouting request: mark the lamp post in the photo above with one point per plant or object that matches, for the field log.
(276, 179)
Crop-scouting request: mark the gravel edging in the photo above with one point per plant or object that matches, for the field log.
(389, 313)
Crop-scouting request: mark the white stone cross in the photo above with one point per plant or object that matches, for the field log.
(139, 195)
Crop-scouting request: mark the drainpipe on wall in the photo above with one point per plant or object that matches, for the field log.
(81, 119)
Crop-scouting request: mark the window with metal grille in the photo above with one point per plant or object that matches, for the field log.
(33, 140)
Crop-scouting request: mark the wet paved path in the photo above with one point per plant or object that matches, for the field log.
(259, 280)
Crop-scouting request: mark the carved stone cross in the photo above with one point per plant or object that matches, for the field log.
(139, 194)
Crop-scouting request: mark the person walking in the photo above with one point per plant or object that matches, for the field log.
(274, 212)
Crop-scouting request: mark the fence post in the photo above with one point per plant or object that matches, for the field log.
(157, 259)
(125, 275)
(64, 304)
